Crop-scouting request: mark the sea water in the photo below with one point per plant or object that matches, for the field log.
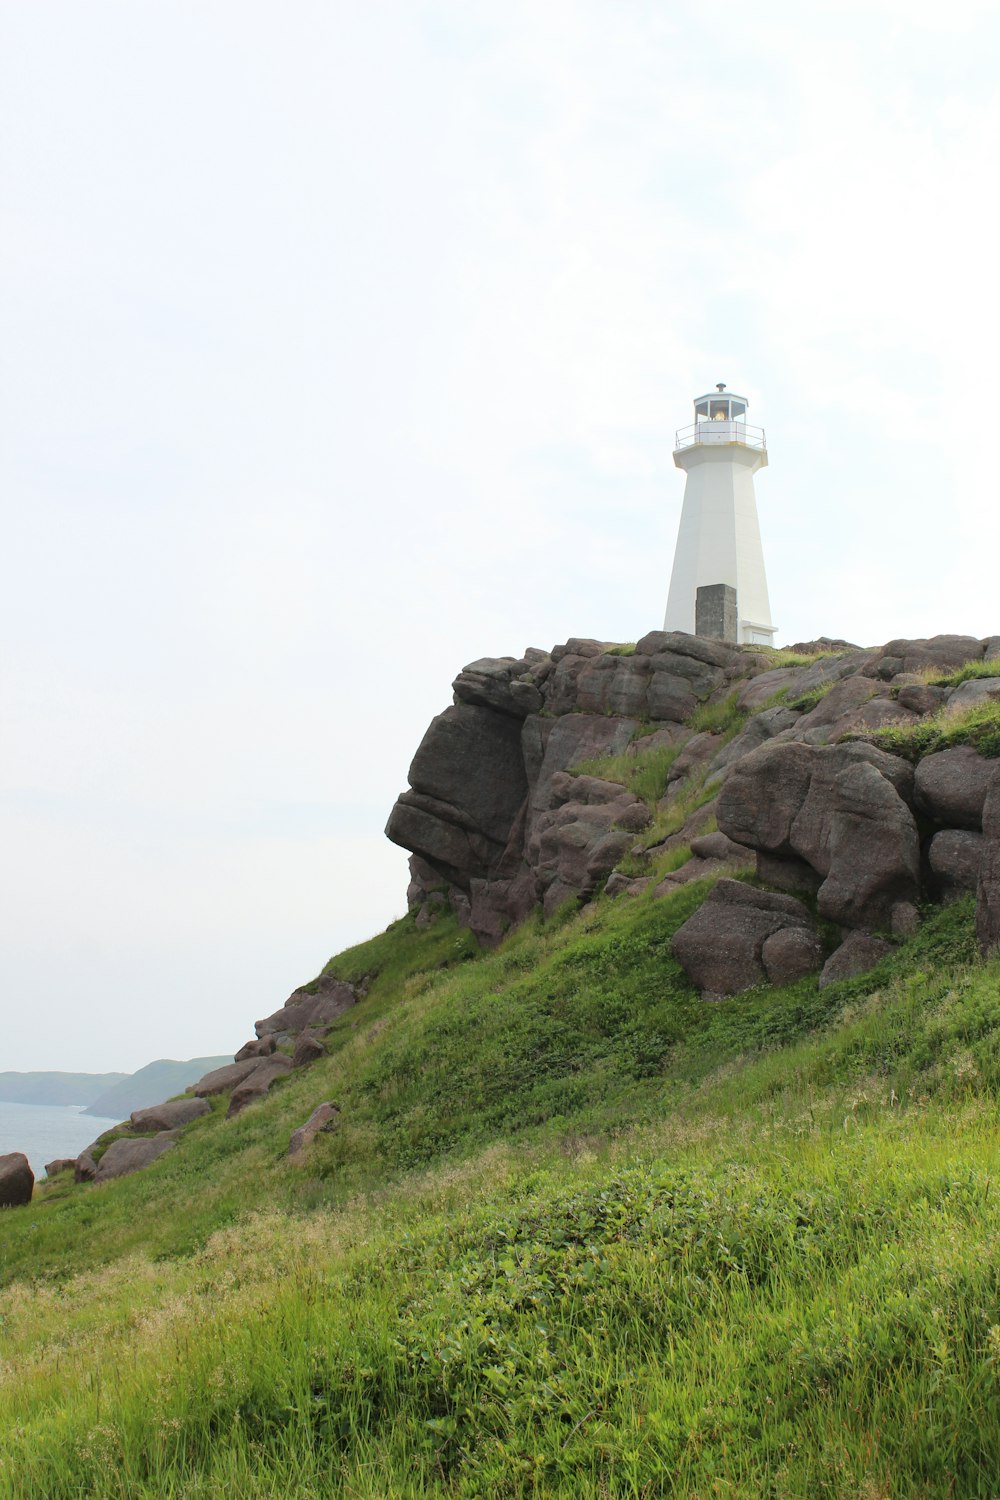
(45, 1131)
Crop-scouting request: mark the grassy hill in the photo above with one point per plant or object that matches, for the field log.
(578, 1233)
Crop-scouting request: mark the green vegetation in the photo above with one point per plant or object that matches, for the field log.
(778, 657)
(810, 699)
(628, 649)
(578, 1234)
(642, 770)
(969, 672)
(723, 718)
(978, 726)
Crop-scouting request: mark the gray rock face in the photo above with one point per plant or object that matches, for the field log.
(17, 1180)
(843, 809)
(976, 690)
(169, 1116)
(256, 1084)
(721, 947)
(947, 652)
(468, 786)
(858, 953)
(988, 889)
(955, 856)
(324, 1117)
(125, 1156)
(950, 787)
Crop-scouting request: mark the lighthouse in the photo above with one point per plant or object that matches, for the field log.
(718, 586)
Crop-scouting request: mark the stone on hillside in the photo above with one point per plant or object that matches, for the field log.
(694, 647)
(717, 846)
(323, 1118)
(988, 889)
(125, 1156)
(950, 786)
(170, 1115)
(955, 856)
(308, 1049)
(495, 906)
(757, 731)
(945, 652)
(858, 953)
(841, 808)
(85, 1168)
(976, 690)
(257, 1083)
(493, 682)
(61, 1164)
(17, 1180)
(790, 954)
(260, 1046)
(921, 698)
(317, 1004)
(720, 947)
(626, 885)
(221, 1079)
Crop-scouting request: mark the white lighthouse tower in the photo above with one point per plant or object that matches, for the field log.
(718, 586)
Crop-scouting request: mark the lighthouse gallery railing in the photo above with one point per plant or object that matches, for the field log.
(720, 432)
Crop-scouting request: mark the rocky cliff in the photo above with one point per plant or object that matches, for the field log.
(854, 784)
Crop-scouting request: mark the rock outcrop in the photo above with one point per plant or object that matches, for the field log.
(325, 1116)
(521, 799)
(125, 1156)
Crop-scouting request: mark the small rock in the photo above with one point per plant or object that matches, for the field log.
(17, 1180)
(858, 953)
(85, 1169)
(988, 888)
(324, 1117)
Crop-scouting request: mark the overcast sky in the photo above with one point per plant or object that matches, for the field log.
(344, 341)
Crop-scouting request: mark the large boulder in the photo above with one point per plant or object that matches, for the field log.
(988, 890)
(722, 947)
(220, 1080)
(945, 652)
(125, 1156)
(955, 857)
(858, 953)
(950, 786)
(844, 811)
(257, 1083)
(317, 1004)
(169, 1116)
(257, 1047)
(468, 784)
(17, 1180)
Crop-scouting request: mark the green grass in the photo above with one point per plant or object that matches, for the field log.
(779, 657)
(811, 699)
(969, 672)
(627, 649)
(639, 770)
(723, 718)
(578, 1234)
(978, 726)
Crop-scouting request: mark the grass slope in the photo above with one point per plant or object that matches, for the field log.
(577, 1234)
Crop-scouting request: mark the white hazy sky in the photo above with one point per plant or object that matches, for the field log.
(343, 341)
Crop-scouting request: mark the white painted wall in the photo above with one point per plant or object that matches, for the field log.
(718, 540)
